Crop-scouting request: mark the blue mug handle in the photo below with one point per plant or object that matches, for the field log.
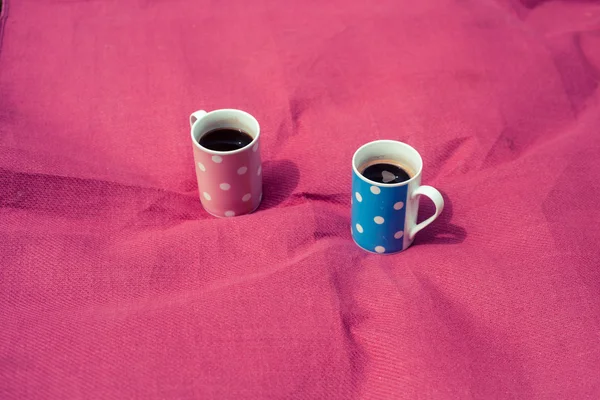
(437, 199)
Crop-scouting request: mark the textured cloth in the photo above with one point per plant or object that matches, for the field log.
(115, 284)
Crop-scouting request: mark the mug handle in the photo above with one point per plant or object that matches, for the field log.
(437, 199)
(196, 116)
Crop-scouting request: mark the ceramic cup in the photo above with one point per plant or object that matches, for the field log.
(229, 182)
(384, 216)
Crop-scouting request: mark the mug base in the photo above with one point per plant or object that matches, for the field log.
(380, 254)
(237, 215)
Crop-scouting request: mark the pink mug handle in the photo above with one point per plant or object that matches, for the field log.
(196, 115)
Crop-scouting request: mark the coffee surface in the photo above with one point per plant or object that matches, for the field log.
(225, 139)
(385, 172)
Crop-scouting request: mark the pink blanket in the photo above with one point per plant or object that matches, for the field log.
(115, 284)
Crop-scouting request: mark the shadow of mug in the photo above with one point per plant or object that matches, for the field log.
(280, 178)
(441, 231)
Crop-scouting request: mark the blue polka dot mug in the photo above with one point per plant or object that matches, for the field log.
(384, 215)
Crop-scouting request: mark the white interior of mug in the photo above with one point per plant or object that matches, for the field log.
(225, 118)
(402, 153)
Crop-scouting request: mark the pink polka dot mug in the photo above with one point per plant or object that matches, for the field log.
(229, 182)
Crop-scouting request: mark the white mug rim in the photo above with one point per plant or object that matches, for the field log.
(220, 153)
(387, 185)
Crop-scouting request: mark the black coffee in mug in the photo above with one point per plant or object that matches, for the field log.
(384, 171)
(225, 139)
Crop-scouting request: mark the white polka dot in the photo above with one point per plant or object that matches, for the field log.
(206, 195)
(351, 200)
(398, 234)
(217, 159)
(255, 147)
(378, 220)
(242, 170)
(229, 214)
(259, 170)
(246, 197)
(225, 186)
(375, 190)
(398, 205)
(358, 197)
(201, 166)
(380, 249)
(359, 228)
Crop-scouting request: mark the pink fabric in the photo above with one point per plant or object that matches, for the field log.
(115, 284)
